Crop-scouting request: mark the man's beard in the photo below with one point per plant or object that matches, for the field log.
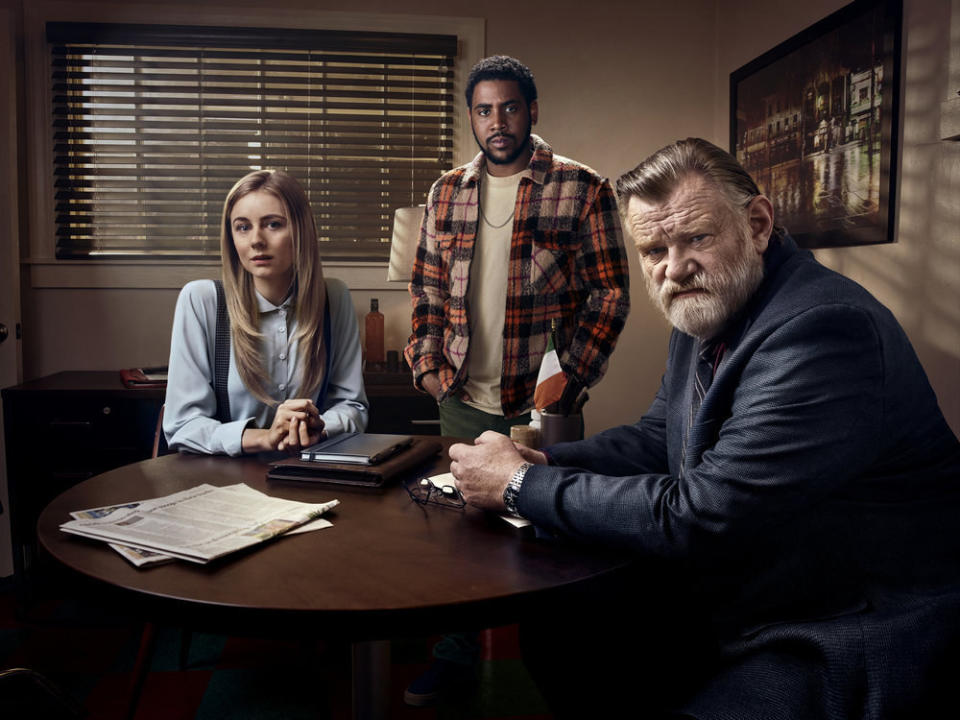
(519, 150)
(728, 290)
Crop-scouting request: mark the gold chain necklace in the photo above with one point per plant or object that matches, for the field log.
(484, 217)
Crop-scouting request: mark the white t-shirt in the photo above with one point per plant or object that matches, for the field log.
(487, 291)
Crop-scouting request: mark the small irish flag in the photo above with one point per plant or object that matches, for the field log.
(551, 380)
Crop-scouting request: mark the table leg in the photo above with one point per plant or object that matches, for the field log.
(371, 679)
(141, 668)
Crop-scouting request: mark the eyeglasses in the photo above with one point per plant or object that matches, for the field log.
(424, 492)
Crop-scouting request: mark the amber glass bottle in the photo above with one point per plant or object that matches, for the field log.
(374, 334)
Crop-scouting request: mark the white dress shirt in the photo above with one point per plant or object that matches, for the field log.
(189, 420)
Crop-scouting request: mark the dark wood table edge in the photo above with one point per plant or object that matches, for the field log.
(343, 626)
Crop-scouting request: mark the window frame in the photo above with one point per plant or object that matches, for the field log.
(40, 250)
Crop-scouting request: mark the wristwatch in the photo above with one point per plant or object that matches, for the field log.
(511, 493)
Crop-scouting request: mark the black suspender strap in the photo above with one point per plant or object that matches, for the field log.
(221, 356)
(322, 396)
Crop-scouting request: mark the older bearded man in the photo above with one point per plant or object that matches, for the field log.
(698, 283)
(790, 494)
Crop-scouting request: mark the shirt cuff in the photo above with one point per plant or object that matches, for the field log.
(333, 424)
(230, 436)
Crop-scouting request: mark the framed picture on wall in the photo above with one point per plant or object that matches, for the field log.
(816, 122)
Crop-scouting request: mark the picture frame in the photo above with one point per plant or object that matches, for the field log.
(816, 122)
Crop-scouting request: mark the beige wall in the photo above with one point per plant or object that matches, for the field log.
(616, 83)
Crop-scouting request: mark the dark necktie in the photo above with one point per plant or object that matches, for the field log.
(708, 359)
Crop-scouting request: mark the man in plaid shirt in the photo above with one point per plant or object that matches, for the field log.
(514, 241)
(517, 238)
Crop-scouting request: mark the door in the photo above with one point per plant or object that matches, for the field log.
(9, 258)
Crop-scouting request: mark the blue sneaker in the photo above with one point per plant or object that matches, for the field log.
(442, 678)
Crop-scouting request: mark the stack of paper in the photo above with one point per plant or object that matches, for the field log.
(198, 524)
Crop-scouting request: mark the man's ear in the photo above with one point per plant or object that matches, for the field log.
(534, 112)
(760, 218)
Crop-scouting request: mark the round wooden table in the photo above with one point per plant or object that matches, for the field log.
(388, 567)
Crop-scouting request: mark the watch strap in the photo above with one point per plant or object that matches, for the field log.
(511, 493)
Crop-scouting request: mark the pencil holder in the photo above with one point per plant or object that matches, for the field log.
(556, 428)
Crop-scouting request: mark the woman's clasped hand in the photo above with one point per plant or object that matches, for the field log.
(296, 425)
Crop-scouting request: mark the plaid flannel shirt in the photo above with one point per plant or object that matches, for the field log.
(567, 262)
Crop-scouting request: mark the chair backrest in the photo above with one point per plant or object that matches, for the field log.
(159, 439)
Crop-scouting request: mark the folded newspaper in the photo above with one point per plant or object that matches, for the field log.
(199, 524)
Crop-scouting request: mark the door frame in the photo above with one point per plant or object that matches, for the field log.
(11, 370)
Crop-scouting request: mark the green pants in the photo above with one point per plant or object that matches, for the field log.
(457, 419)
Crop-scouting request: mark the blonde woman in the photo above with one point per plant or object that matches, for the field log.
(289, 351)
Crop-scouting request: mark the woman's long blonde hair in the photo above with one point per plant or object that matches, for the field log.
(308, 286)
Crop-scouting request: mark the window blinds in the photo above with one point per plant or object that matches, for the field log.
(154, 124)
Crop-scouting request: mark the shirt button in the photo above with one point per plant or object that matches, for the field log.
(283, 386)
(283, 328)
(283, 356)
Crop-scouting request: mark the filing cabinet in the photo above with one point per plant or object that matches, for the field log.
(62, 429)
(397, 407)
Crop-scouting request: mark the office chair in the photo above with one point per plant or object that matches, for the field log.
(27, 693)
(159, 439)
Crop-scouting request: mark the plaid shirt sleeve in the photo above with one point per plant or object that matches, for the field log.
(603, 272)
(428, 293)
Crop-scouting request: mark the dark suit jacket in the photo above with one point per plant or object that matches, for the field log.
(819, 510)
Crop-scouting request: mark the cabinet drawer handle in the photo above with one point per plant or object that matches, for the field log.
(70, 423)
(425, 422)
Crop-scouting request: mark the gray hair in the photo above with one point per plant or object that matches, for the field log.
(655, 179)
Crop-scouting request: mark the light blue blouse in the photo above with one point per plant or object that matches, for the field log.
(191, 406)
